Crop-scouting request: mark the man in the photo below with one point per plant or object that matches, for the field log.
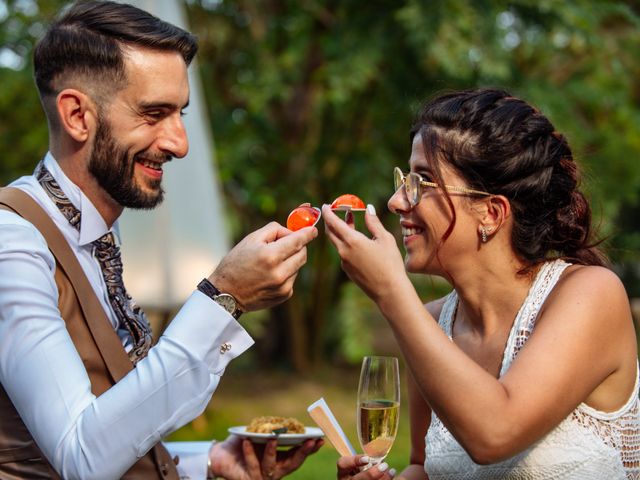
(84, 392)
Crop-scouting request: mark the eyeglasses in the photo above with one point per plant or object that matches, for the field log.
(413, 184)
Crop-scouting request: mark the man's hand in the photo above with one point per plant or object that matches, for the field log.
(238, 459)
(260, 270)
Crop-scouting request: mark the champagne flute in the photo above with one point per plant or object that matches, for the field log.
(378, 406)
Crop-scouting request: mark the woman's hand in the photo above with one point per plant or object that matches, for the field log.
(375, 263)
(238, 459)
(349, 468)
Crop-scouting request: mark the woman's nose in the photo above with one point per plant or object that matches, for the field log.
(398, 203)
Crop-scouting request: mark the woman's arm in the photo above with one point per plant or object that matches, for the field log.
(586, 317)
(573, 356)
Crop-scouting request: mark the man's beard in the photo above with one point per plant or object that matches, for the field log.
(113, 168)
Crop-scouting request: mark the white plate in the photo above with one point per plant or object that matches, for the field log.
(283, 438)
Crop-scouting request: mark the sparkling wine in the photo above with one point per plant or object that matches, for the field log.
(377, 426)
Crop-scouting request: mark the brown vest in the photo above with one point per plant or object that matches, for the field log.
(97, 343)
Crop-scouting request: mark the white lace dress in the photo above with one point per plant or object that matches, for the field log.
(588, 444)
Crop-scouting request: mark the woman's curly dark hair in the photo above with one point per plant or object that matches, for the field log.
(503, 145)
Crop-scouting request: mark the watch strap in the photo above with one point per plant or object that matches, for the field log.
(210, 290)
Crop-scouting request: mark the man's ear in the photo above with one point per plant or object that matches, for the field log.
(77, 114)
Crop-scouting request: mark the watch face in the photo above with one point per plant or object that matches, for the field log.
(227, 302)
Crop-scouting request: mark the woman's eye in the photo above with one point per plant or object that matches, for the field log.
(425, 176)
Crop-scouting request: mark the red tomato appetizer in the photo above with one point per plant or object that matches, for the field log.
(348, 202)
(303, 216)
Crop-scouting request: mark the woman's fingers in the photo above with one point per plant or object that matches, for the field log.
(335, 224)
(350, 468)
(349, 219)
(352, 462)
(377, 472)
(373, 223)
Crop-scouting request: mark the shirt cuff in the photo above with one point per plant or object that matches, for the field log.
(193, 458)
(208, 332)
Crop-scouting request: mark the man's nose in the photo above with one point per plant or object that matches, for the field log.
(173, 138)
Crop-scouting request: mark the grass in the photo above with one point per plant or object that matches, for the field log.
(243, 395)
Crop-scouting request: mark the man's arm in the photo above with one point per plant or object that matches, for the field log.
(84, 436)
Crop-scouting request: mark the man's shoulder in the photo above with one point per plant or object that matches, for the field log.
(26, 182)
(29, 185)
(9, 217)
(15, 230)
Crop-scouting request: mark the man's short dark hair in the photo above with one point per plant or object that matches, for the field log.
(87, 42)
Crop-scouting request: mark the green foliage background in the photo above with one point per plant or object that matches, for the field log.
(310, 99)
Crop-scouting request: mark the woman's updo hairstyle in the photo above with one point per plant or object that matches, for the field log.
(503, 145)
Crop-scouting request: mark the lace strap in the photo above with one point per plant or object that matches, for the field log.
(526, 318)
(448, 311)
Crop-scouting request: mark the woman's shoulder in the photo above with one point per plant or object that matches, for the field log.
(591, 279)
(592, 304)
(591, 288)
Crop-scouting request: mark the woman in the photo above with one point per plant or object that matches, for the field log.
(528, 368)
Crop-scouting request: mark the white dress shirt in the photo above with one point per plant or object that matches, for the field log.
(82, 435)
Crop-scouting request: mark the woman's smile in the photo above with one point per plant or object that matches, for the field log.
(410, 232)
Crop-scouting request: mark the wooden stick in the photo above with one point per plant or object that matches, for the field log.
(324, 418)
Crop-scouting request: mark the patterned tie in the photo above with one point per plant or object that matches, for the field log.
(107, 253)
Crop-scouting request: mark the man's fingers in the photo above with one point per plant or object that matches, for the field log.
(250, 458)
(270, 449)
(293, 242)
(292, 264)
(317, 446)
(302, 452)
(269, 458)
(271, 232)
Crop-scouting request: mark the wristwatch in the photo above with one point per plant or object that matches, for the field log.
(225, 300)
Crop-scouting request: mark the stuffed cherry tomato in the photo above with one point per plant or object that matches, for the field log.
(348, 201)
(303, 216)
